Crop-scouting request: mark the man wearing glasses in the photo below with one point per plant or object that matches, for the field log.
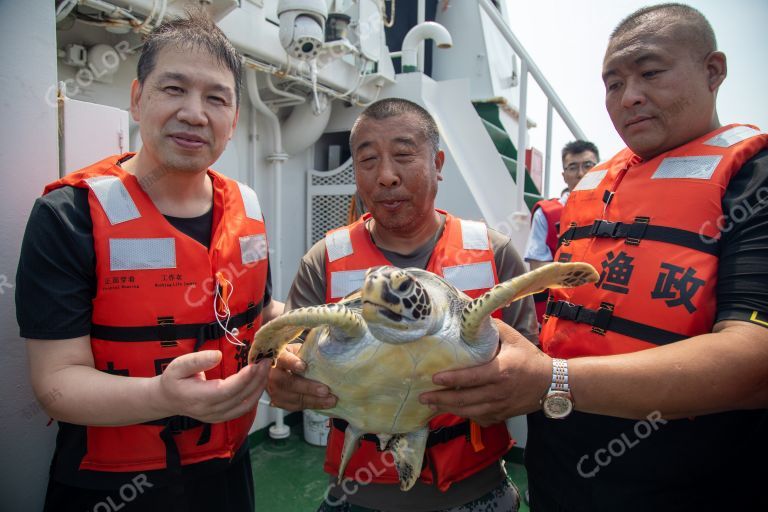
(579, 157)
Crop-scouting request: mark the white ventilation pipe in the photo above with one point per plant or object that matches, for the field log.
(279, 430)
(303, 127)
(414, 38)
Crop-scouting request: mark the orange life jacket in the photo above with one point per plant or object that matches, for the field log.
(652, 230)
(456, 448)
(552, 209)
(155, 301)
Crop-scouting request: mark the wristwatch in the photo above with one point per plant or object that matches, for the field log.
(558, 402)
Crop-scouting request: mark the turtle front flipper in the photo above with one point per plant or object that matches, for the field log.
(408, 452)
(554, 275)
(275, 335)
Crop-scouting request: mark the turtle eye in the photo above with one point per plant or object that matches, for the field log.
(405, 285)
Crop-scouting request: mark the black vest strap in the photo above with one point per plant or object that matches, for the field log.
(441, 435)
(639, 230)
(172, 426)
(603, 320)
(177, 424)
(166, 330)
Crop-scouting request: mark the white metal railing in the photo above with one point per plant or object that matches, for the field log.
(553, 101)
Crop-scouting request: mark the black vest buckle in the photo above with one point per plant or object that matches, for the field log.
(605, 229)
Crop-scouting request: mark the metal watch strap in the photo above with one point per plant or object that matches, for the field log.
(560, 376)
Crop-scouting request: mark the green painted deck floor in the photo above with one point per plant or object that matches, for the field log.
(288, 475)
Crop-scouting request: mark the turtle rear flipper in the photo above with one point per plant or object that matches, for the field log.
(275, 335)
(554, 275)
(352, 437)
(408, 452)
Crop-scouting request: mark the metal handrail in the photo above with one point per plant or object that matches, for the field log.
(553, 101)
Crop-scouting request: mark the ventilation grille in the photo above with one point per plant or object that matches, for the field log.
(344, 177)
(328, 212)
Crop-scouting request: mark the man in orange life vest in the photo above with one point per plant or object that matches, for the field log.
(651, 390)
(398, 165)
(126, 270)
(579, 157)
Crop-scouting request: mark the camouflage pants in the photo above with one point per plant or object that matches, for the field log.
(503, 498)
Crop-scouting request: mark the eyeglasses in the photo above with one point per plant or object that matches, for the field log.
(575, 166)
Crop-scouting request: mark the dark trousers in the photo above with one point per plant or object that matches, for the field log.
(226, 491)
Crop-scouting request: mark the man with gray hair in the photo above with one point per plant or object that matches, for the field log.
(398, 164)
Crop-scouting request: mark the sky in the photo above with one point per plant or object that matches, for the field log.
(567, 41)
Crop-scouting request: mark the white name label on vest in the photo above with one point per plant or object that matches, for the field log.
(732, 136)
(474, 235)
(251, 202)
(141, 253)
(694, 167)
(113, 198)
(338, 244)
(591, 180)
(345, 282)
(472, 276)
(253, 248)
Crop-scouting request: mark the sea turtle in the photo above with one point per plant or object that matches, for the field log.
(379, 347)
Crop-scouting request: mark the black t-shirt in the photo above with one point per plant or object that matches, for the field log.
(595, 463)
(56, 283)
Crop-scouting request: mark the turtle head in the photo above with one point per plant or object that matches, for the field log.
(396, 304)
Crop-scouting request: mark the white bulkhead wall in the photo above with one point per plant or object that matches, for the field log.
(29, 150)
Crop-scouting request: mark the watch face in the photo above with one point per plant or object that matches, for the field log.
(557, 405)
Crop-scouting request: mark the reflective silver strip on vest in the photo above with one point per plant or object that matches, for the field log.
(142, 253)
(345, 282)
(591, 180)
(338, 244)
(695, 167)
(253, 248)
(474, 235)
(251, 202)
(732, 136)
(113, 198)
(471, 276)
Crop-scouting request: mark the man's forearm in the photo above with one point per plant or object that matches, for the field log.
(273, 310)
(725, 370)
(72, 390)
(715, 372)
(85, 396)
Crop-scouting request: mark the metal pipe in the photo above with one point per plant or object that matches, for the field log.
(522, 132)
(277, 157)
(334, 93)
(415, 36)
(279, 430)
(63, 10)
(548, 153)
(295, 98)
(421, 17)
(303, 126)
(570, 122)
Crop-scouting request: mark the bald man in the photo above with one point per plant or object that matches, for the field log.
(651, 388)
